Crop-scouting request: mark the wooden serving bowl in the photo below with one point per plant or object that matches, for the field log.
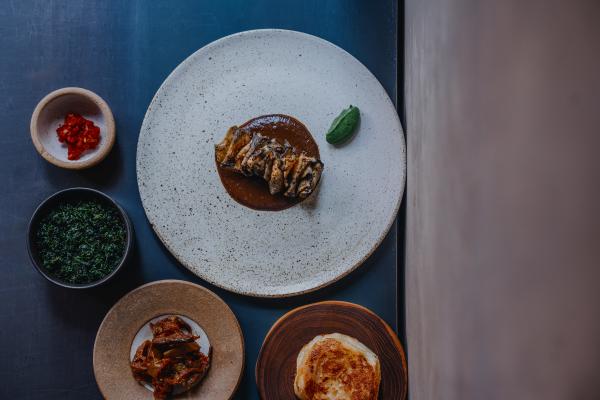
(276, 365)
(50, 113)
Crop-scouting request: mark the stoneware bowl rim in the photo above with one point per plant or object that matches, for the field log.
(164, 297)
(108, 132)
(42, 208)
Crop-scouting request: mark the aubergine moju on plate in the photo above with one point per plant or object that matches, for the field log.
(172, 361)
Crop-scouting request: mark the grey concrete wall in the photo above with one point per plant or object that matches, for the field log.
(503, 251)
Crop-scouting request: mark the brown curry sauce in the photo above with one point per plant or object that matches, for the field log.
(253, 191)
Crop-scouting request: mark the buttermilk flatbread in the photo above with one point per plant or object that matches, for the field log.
(337, 366)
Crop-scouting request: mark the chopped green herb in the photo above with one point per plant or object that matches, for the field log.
(81, 242)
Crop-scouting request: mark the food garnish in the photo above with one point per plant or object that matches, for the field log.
(172, 359)
(286, 169)
(79, 134)
(81, 242)
(343, 126)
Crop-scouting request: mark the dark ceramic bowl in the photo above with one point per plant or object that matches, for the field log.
(68, 196)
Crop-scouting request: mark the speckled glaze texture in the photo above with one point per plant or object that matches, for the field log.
(262, 253)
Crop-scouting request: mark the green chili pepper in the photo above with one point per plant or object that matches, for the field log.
(343, 126)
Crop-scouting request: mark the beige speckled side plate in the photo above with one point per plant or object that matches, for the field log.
(124, 320)
(263, 253)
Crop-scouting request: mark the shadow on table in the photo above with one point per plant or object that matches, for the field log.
(102, 176)
(87, 307)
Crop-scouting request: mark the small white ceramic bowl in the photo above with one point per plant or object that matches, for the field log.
(50, 113)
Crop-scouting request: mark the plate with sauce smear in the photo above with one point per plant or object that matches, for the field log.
(226, 226)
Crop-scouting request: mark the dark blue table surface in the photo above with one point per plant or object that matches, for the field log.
(123, 50)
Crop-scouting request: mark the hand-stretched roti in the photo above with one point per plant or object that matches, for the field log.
(339, 367)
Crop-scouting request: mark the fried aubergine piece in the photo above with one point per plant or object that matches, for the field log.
(172, 359)
(170, 332)
(286, 171)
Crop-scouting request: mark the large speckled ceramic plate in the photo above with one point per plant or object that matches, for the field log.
(262, 253)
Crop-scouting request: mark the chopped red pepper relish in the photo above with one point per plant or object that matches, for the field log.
(79, 134)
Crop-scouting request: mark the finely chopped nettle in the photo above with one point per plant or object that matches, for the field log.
(81, 242)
